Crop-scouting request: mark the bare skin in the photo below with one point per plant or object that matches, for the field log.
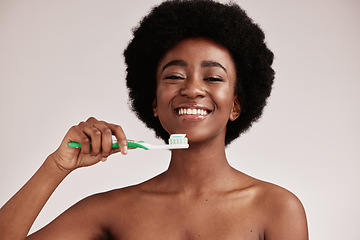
(200, 196)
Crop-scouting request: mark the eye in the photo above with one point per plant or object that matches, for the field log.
(174, 77)
(213, 79)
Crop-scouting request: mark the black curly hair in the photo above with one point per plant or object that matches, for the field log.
(226, 24)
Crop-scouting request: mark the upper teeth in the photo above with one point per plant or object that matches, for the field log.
(192, 111)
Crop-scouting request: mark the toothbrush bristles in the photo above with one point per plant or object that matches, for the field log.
(178, 139)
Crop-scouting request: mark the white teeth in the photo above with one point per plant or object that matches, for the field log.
(192, 111)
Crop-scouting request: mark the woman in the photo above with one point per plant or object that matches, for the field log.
(195, 67)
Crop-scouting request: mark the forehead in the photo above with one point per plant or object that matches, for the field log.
(197, 50)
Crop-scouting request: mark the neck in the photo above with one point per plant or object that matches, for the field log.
(199, 169)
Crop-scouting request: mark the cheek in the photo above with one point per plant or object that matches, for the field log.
(224, 97)
(163, 106)
(164, 94)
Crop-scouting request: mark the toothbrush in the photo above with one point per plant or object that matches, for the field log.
(176, 141)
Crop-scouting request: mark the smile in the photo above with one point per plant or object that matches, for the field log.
(192, 111)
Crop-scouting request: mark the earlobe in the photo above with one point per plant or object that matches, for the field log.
(236, 109)
(154, 107)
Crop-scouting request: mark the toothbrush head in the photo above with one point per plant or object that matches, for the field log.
(178, 139)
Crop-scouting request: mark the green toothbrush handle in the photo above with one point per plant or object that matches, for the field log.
(114, 145)
(136, 145)
(74, 145)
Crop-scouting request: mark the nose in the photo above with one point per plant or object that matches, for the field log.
(193, 88)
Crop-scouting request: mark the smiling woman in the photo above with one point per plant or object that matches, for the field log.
(195, 91)
(192, 75)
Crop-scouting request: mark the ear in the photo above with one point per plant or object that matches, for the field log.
(236, 109)
(154, 107)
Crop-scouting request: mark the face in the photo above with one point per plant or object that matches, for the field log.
(195, 90)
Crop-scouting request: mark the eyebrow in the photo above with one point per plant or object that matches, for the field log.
(182, 63)
(212, 64)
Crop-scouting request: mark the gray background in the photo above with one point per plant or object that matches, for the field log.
(61, 62)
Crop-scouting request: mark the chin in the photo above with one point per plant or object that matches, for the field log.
(198, 136)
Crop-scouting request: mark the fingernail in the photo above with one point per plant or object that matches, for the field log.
(104, 159)
(124, 149)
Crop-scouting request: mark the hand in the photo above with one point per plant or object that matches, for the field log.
(99, 134)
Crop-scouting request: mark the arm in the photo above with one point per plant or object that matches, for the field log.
(20, 212)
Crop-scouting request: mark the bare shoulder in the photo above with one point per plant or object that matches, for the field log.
(106, 202)
(284, 216)
(276, 198)
(90, 218)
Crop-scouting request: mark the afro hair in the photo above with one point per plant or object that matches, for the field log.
(226, 24)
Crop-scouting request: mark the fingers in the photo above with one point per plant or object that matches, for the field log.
(120, 137)
(95, 137)
(105, 145)
(77, 134)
